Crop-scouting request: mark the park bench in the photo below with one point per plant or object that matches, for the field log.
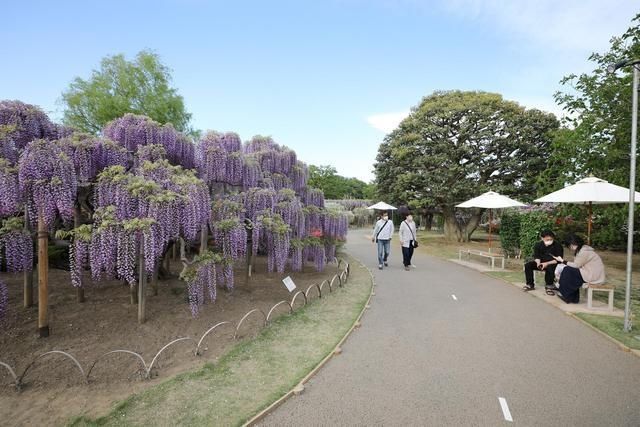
(590, 288)
(491, 257)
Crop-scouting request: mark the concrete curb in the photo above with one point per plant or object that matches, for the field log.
(299, 388)
(622, 346)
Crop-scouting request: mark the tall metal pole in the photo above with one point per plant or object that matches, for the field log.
(632, 189)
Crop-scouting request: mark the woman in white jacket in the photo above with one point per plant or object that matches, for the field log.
(407, 239)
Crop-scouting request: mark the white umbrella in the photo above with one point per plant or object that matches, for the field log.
(590, 190)
(490, 200)
(382, 206)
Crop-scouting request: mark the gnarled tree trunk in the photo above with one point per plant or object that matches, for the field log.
(458, 230)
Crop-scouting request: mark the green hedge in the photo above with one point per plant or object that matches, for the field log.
(531, 224)
(510, 233)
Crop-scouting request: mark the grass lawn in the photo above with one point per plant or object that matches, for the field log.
(612, 326)
(255, 373)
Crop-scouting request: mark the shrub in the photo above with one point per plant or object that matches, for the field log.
(531, 224)
(510, 233)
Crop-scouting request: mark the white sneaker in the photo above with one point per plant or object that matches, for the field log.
(412, 266)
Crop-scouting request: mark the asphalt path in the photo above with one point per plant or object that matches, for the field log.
(446, 345)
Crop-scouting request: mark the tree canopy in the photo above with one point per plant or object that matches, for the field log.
(335, 186)
(597, 134)
(141, 87)
(599, 117)
(456, 145)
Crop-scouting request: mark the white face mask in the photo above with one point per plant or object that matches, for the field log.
(548, 242)
(385, 218)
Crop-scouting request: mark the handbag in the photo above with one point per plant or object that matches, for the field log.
(414, 242)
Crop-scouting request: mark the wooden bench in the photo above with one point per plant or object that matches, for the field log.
(492, 257)
(602, 288)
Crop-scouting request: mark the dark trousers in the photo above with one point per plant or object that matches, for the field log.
(548, 273)
(570, 284)
(407, 253)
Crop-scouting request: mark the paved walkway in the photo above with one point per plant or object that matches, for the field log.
(423, 357)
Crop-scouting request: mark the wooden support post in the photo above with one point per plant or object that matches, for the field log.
(28, 275)
(142, 281)
(28, 288)
(154, 279)
(43, 278)
(134, 294)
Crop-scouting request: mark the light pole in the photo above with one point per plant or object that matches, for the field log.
(632, 180)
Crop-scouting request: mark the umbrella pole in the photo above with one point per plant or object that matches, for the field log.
(489, 230)
(589, 221)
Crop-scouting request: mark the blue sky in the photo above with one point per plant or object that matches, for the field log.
(326, 78)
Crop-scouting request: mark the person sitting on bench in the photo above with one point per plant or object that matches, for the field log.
(587, 267)
(544, 252)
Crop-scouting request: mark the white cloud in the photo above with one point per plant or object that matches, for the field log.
(387, 122)
(586, 25)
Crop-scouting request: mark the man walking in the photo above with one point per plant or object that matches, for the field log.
(382, 233)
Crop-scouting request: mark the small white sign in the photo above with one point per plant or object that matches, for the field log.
(289, 283)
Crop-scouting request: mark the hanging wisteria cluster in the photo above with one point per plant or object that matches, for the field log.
(17, 245)
(90, 155)
(22, 123)
(48, 182)
(201, 279)
(172, 201)
(10, 197)
(78, 251)
(147, 185)
(133, 131)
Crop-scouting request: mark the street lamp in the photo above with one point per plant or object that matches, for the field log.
(632, 180)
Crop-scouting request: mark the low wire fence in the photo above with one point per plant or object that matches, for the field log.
(149, 370)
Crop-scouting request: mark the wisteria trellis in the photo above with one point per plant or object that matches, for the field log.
(154, 185)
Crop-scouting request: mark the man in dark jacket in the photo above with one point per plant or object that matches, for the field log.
(543, 252)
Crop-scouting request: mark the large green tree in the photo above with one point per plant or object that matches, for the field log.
(335, 186)
(599, 118)
(141, 86)
(456, 145)
(597, 134)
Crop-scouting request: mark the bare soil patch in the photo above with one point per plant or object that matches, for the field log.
(107, 321)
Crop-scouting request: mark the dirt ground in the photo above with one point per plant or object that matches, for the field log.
(54, 389)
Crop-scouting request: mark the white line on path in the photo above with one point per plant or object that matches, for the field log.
(505, 409)
(454, 297)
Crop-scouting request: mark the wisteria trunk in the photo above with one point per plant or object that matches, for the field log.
(154, 279)
(43, 278)
(249, 258)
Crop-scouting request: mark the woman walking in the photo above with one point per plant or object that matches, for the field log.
(587, 267)
(407, 239)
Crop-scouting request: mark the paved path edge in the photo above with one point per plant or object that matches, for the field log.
(621, 345)
(323, 362)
